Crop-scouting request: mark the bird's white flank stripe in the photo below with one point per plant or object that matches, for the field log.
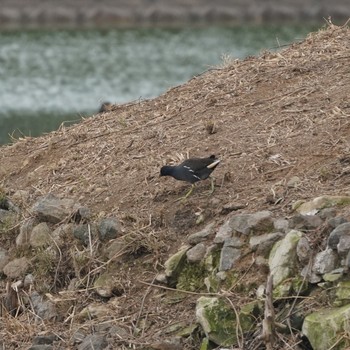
(188, 168)
(213, 164)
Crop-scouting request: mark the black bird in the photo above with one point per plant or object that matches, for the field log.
(192, 170)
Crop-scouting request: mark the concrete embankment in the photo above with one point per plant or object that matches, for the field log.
(143, 12)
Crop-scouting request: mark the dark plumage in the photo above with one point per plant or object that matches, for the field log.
(191, 170)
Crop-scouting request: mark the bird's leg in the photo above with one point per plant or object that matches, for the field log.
(212, 180)
(187, 194)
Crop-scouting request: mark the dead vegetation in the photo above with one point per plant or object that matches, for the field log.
(268, 118)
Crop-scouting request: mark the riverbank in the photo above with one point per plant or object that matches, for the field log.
(42, 13)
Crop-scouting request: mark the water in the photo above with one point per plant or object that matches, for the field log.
(47, 77)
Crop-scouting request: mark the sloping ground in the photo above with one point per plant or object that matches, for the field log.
(269, 118)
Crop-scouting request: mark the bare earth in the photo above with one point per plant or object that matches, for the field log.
(268, 118)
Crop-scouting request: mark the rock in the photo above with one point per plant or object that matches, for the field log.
(109, 228)
(310, 275)
(335, 222)
(62, 233)
(161, 278)
(106, 285)
(171, 344)
(28, 280)
(262, 244)
(233, 242)
(85, 232)
(312, 207)
(229, 255)
(95, 310)
(303, 250)
(325, 329)
(94, 342)
(7, 217)
(40, 235)
(342, 293)
(44, 339)
(82, 215)
(305, 222)
(325, 262)
(334, 275)
(16, 268)
(281, 225)
(44, 309)
(327, 213)
(174, 265)
(343, 247)
(25, 231)
(293, 182)
(227, 208)
(53, 209)
(246, 224)
(202, 235)
(116, 249)
(283, 257)
(219, 321)
(334, 237)
(21, 196)
(196, 253)
(4, 259)
(41, 347)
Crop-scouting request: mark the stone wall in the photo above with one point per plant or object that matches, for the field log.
(143, 12)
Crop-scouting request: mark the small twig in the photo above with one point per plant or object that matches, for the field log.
(268, 324)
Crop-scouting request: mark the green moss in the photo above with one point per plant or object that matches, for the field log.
(249, 314)
(342, 293)
(174, 266)
(218, 320)
(212, 260)
(191, 277)
(325, 329)
(45, 262)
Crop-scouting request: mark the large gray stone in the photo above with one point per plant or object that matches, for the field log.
(109, 228)
(325, 329)
(314, 206)
(262, 244)
(16, 268)
(334, 237)
(94, 342)
(305, 222)
(325, 262)
(202, 235)
(25, 231)
(196, 253)
(304, 250)
(283, 257)
(228, 257)
(53, 209)
(246, 224)
(343, 247)
(40, 235)
(44, 309)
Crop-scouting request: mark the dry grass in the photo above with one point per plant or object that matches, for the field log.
(268, 118)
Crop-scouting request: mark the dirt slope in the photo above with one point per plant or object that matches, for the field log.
(275, 116)
(268, 118)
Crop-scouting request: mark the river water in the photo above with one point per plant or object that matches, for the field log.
(48, 77)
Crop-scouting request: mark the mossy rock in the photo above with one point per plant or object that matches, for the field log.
(191, 277)
(326, 329)
(219, 320)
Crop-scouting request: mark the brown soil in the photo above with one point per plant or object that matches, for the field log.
(268, 118)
